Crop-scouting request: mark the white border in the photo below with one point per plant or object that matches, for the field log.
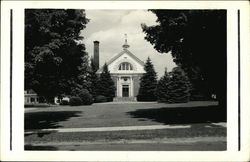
(18, 78)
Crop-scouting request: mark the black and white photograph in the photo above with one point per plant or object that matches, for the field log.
(122, 79)
(160, 86)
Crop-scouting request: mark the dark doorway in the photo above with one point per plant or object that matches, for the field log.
(125, 91)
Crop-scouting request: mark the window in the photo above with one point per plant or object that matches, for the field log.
(125, 66)
(32, 99)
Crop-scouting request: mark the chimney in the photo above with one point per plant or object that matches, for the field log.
(96, 54)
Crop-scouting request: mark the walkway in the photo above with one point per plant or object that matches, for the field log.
(123, 128)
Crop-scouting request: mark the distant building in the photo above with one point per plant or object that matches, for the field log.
(125, 69)
(58, 101)
(30, 97)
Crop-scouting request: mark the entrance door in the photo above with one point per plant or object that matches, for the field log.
(125, 91)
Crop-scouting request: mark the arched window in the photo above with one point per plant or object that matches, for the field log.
(125, 66)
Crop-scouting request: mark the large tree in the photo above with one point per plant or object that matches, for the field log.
(197, 41)
(148, 83)
(54, 58)
(106, 86)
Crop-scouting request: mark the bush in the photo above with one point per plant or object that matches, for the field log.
(146, 98)
(198, 97)
(37, 105)
(64, 102)
(75, 101)
(86, 97)
(100, 98)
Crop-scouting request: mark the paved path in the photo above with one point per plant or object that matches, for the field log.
(101, 129)
(122, 128)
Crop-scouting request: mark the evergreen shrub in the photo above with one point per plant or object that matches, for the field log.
(86, 97)
(174, 87)
(100, 98)
(64, 102)
(75, 101)
(105, 86)
(148, 83)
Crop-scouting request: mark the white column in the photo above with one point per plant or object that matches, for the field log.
(117, 86)
(132, 86)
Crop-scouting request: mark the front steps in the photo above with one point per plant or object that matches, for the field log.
(124, 99)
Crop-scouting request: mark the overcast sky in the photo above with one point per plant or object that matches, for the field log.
(109, 27)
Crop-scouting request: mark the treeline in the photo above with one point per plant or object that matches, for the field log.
(196, 39)
(100, 88)
(56, 63)
(173, 87)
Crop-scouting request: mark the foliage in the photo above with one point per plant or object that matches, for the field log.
(162, 88)
(86, 97)
(94, 79)
(174, 87)
(100, 98)
(75, 101)
(54, 58)
(64, 102)
(148, 83)
(106, 85)
(197, 41)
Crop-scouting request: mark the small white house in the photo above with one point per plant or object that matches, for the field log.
(30, 97)
(57, 101)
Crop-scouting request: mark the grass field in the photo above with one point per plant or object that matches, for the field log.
(131, 114)
(196, 130)
(200, 117)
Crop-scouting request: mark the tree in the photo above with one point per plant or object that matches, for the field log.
(148, 83)
(54, 58)
(93, 78)
(106, 85)
(162, 88)
(174, 87)
(197, 41)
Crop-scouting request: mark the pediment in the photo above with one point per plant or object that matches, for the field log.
(124, 56)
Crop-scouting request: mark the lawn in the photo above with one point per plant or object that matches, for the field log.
(196, 130)
(130, 114)
(200, 117)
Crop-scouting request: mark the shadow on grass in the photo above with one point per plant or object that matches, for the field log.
(182, 115)
(46, 120)
(45, 148)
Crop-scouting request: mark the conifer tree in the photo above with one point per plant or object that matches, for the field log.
(174, 87)
(106, 85)
(93, 78)
(148, 83)
(162, 88)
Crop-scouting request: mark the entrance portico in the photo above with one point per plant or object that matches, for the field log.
(125, 86)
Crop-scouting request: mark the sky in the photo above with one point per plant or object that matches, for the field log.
(109, 28)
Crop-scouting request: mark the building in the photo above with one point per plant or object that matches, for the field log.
(30, 97)
(125, 69)
(59, 101)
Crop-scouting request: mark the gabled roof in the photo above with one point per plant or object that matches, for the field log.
(120, 54)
